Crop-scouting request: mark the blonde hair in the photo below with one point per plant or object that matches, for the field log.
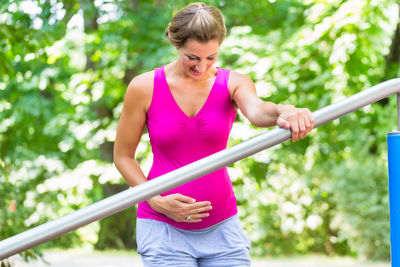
(196, 21)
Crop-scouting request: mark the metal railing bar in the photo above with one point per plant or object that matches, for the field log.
(168, 181)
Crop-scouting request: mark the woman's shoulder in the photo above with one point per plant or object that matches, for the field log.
(237, 79)
(140, 88)
(142, 82)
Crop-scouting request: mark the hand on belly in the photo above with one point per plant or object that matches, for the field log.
(181, 208)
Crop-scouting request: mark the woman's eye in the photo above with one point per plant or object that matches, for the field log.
(210, 58)
(191, 58)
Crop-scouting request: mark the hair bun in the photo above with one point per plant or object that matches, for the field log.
(196, 21)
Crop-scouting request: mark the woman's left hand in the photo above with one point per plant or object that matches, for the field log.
(299, 120)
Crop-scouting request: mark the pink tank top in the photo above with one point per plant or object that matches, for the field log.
(177, 140)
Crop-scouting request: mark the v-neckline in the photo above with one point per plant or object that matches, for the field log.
(176, 103)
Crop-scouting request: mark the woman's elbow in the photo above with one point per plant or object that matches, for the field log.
(117, 157)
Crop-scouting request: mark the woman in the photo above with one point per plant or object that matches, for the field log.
(189, 107)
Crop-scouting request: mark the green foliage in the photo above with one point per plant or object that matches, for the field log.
(117, 231)
(64, 70)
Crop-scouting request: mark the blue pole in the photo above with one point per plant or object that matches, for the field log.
(393, 142)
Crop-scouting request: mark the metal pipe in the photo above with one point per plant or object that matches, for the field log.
(130, 197)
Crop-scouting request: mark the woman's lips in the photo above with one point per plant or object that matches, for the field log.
(195, 71)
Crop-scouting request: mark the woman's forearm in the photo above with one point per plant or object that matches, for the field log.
(133, 174)
(265, 114)
(130, 170)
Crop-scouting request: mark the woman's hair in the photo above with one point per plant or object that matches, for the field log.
(196, 21)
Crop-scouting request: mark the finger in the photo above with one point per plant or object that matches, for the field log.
(200, 204)
(308, 125)
(294, 126)
(200, 210)
(193, 219)
(308, 122)
(302, 127)
(183, 198)
(190, 208)
(282, 123)
(196, 217)
(311, 119)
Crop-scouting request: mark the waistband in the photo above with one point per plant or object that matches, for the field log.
(207, 229)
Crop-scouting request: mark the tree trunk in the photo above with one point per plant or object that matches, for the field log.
(393, 58)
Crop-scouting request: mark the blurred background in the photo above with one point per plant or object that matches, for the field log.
(64, 69)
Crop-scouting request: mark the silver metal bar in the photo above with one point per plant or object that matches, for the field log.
(130, 197)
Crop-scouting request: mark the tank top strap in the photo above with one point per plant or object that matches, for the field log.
(222, 82)
(160, 84)
(160, 90)
(223, 76)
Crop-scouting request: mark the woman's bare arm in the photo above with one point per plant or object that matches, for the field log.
(265, 114)
(130, 127)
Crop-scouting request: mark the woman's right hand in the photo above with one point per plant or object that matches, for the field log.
(178, 207)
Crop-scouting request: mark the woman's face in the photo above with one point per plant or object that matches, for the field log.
(197, 58)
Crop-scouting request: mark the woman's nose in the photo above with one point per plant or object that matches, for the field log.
(201, 66)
